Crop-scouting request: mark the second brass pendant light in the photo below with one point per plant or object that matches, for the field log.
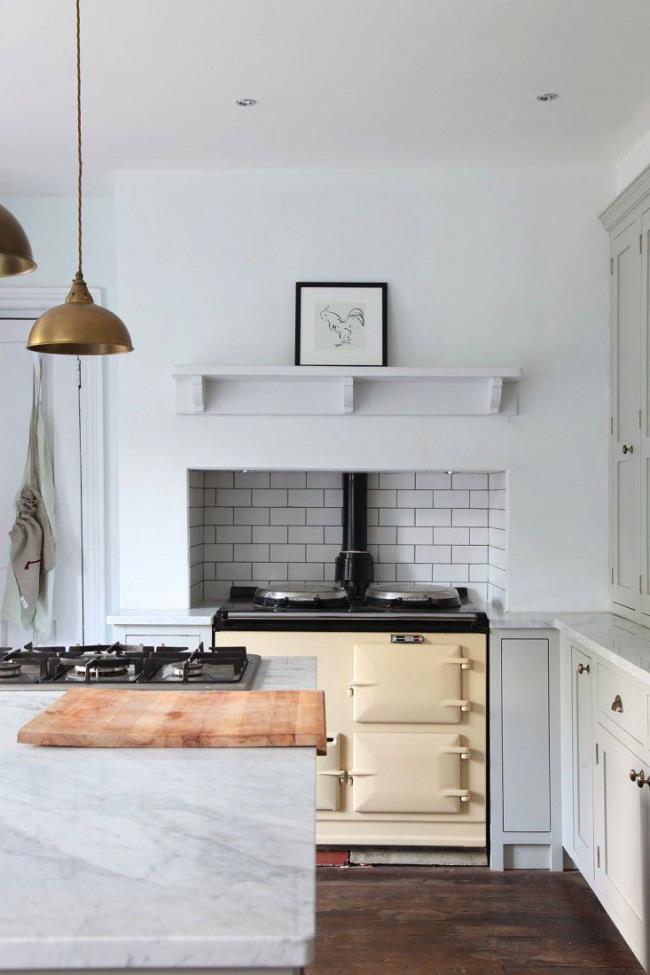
(79, 327)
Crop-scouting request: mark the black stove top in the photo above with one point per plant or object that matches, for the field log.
(116, 665)
(317, 606)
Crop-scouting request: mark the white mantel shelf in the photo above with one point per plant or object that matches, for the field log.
(332, 390)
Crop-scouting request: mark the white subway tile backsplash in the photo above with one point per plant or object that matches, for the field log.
(233, 497)
(304, 534)
(251, 516)
(414, 536)
(414, 499)
(451, 499)
(401, 480)
(382, 499)
(324, 479)
(414, 572)
(289, 553)
(433, 516)
(271, 497)
(251, 553)
(232, 533)
(252, 527)
(269, 533)
(252, 479)
(474, 482)
(396, 516)
(396, 553)
(432, 553)
(469, 553)
(307, 498)
(323, 516)
(219, 479)
(470, 517)
(433, 480)
(288, 479)
(287, 516)
(451, 536)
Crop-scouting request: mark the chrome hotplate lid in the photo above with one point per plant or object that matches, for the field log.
(417, 596)
(301, 595)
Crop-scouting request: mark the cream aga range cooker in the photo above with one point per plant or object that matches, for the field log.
(404, 675)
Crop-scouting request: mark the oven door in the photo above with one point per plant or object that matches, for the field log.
(408, 683)
(407, 773)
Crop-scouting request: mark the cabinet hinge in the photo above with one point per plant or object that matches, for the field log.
(611, 265)
(611, 426)
(640, 419)
(612, 574)
(640, 243)
(640, 584)
(596, 753)
(598, 857)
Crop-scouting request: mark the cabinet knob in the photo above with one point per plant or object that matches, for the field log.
(627, 448)
(617, 704)
(639, 778)
(583, 668)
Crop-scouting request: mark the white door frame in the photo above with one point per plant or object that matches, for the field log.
(28, 303)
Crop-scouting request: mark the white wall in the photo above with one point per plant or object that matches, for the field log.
(50, 223)
(633, 163)
(504, 267)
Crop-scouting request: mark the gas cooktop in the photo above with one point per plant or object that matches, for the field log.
(116, 665)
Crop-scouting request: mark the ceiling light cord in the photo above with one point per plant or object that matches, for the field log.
(79, 157)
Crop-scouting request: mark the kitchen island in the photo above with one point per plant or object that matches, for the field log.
(157, 859)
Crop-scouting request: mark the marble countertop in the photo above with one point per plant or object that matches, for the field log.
(156, 858)
(199, 616)
(623, 643)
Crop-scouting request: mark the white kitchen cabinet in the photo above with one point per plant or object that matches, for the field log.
(524, 748)
(622, 838)
(582, 753)
(627, 220)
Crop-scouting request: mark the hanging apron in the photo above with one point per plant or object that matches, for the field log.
(29, 587)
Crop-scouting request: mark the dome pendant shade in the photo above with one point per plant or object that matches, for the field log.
(79, 327)
(15, 250)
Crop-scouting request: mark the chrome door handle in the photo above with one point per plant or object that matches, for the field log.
(617, 704)
(627, 448)
(639, 778)
(583, 669)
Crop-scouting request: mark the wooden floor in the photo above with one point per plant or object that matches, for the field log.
(462, 921)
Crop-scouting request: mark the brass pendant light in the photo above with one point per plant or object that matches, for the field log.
(79, 327)
(15, 250)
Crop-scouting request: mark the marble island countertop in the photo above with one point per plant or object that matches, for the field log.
(156, 858)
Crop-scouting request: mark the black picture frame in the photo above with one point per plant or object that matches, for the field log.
(382, 285)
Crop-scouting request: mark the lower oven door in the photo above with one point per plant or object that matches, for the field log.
(408, 773)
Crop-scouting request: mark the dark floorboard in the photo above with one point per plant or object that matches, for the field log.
(438, 921)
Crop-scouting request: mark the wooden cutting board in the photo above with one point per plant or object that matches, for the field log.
(97, 718)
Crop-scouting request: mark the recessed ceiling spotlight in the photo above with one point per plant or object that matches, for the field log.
(246, 102)
(547, 96)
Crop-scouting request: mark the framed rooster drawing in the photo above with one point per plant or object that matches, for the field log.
(340, 324)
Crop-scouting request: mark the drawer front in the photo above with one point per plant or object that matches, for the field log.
(419, 684)
(623, 703)
(328, 776)
(407, 773)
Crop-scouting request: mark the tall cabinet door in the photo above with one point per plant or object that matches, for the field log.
(582, 747)
(644, 439)
(625, 439)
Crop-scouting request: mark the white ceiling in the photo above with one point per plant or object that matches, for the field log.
(340, 83)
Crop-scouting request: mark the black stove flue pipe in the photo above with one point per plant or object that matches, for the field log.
(354, 567)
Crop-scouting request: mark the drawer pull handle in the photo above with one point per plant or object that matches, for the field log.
(617, 704)
(583, 668)
(639, 778)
